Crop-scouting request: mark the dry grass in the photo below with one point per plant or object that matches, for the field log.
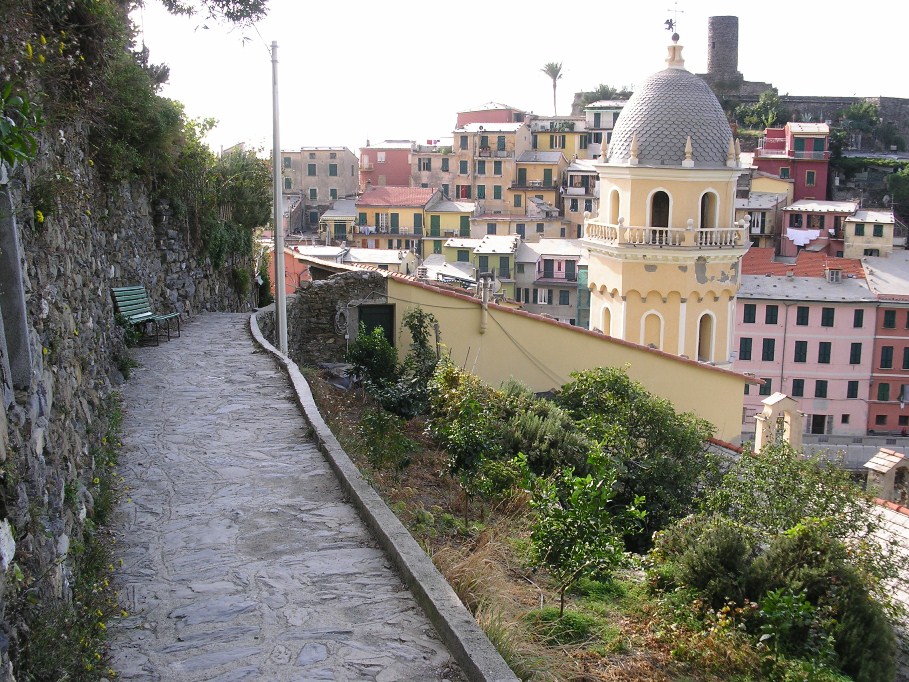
(486, 562)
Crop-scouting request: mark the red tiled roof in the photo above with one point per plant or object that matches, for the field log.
(807, 264)
(395, 196)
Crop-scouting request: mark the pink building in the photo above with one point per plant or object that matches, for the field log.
(888, 400)
(815, 226)
(491, 112)
(800, 152)
(385, 163)
(806, 328)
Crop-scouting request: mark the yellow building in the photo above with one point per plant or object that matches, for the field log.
(868, 233)
(393, 217)
(665, 249)
(600, 119)
(580, 195)
(539, 174)
(565, 134)
(483, 162)
(446, 219)
(339, 223)
(492, 254)
(498, 343)
(764, 213)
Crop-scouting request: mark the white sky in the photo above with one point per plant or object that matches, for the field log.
(352, 70)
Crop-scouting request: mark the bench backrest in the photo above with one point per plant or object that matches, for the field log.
(131, 301)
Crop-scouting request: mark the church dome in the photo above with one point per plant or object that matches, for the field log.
(670, 106)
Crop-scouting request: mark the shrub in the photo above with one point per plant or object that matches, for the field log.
(809, 561)
(779, 489)
(263, 283)
(658, 454)
(712, 555)
(465, 419)
(543, 432)
(575, 533)
(383, 439)
(374, 359)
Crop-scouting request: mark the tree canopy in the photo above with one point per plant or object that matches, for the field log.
(602, 92)
(554, 71)
(233, 11)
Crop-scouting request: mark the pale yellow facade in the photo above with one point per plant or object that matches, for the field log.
(668, 281)
(442, 226)
(864, 237)
(483, 145)
(773, 185)
(501, 344)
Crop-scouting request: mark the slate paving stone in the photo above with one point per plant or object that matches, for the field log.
(241, 558)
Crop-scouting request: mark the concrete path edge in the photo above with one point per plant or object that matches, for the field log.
(472, 650)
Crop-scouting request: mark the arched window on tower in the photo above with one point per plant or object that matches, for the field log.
(614, 207)
(705, 338)
(659, 209)
(607, 322)
(708, 211)
(652, 331)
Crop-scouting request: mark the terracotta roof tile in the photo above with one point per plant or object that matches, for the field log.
(396, 196)
(759, 261)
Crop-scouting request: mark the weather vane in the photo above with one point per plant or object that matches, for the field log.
(672, 24)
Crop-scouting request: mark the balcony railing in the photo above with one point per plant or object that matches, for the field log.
(722, 238)
(385, 231)
(555, 277)
(764, 152)
(366, 166)
(813, 156)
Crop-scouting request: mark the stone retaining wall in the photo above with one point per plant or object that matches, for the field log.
(321, 312)
(71, 238)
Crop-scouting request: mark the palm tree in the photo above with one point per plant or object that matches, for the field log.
(554, 71)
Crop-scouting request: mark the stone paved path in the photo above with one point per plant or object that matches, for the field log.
(241, 559)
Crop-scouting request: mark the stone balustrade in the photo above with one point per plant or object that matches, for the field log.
(680, 237)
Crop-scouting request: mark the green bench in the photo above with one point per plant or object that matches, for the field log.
(133, 304)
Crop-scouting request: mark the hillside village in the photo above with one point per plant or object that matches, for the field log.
(518, 443)
(528, 199)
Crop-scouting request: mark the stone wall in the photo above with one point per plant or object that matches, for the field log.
(321, 312)
(66, 238)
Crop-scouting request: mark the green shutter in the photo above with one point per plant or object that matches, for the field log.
(547, 177)
(418, 221)
(481, 191)
(522, 178)
(500, 143)
(517, 201)
(484, 141)
(496, 167)
(465, 226)
(799, 144)
(362, 218)
(395, 224)
(497, 191)
(435, 222)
